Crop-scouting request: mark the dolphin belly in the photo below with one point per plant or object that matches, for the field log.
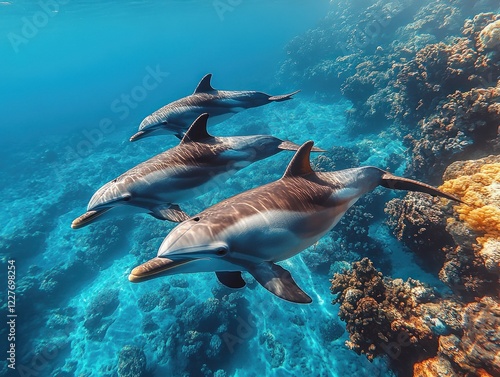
(278, 235)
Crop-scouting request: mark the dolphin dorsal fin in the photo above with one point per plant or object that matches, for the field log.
(204, 86)
(197, 131)
(300, 164)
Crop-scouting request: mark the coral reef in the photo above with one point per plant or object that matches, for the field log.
(428, 78)
(465, 124)
(461, 241)
(384, 316)
(476, 184)
(99, 313)
(276, 350)
(132, 362)
(416, 329)
(420, 223)
(489, 38)
(477, 187)
(470, 244)
(476, 352)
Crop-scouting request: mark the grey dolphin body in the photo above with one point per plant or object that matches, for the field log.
(257, 228)
(199, 163)
(176, 117)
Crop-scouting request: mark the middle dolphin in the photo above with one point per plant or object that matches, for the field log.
(176, 117)
(253, 230)
(199, 163)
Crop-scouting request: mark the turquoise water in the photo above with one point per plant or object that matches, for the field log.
(76, 80)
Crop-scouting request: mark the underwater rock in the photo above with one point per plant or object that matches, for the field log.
(330, 331)
(132, 362)
(98, 317)
(148, 301)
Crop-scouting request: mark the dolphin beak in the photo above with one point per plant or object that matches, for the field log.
(87, 218)
(154, 268)
(139, 135)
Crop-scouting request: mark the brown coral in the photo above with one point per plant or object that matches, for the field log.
(390, 317)
(465, 123)
(476, 352)
(420, 223)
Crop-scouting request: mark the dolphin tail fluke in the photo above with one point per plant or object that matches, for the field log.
(283, 97)
(169, 212)
(231, 279)
(400, 183)
(279, 281)
(289, 146)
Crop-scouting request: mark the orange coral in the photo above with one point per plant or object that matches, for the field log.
(480, 192)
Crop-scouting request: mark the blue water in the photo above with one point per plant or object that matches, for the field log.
(76, 81)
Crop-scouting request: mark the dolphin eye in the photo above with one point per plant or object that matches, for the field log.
(221, 251)
(127, 198)
(196, 219)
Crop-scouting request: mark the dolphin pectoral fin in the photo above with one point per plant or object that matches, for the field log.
(169, 212)
(279, 281)
(231, 279)
(283, 97)
(400, 183)
(289, 146)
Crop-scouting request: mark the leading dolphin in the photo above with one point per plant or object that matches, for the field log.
(176, 117)
(257, 228)
(199, 163)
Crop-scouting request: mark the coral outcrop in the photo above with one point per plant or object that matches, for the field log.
(476, 352)
(464, 124)
(132, 362)
(99, 313)
(390, 317)
(489, 38)
(469, 241)
(418, 331)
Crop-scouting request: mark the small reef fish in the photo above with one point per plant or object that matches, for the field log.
(271, 223)
(176, 117)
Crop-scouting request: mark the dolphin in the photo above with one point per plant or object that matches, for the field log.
(199, 163)
(176, 117)
(271, 223)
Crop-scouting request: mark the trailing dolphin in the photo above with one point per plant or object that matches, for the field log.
(257, 228)
(199, 163)
(176, 117)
